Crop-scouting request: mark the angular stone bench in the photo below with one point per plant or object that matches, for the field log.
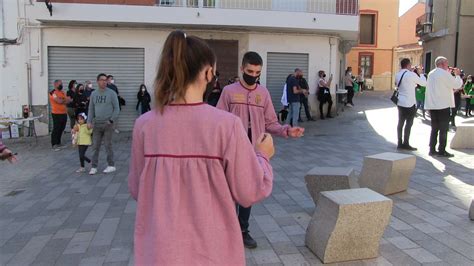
(348, 225)
(464, 137)
(387, 173)
(321, 179)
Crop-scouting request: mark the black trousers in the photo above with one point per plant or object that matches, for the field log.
(439, 124)
(350, 94)
(59, 124)
(82, 154)
(468, 107)
(242, 212)
(321, 104)
(405, 118)
(304, 103)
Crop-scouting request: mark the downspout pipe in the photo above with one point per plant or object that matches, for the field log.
(456, 45)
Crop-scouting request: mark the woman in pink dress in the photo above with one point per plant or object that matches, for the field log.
(191, 163)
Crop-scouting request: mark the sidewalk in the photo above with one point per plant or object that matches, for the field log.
(54, 216)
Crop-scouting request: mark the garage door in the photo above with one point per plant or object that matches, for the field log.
(80, 63)
(279, 66)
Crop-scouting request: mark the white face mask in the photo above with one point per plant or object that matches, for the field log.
(469, 80)
(112, 81)
(143, 90)
(89, 86)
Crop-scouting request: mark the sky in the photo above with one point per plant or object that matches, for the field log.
(405, 5)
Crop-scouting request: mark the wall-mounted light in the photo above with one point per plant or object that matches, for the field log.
(314, 19)
(420, 43)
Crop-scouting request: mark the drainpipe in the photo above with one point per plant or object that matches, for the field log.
(2, 35)
(456, 45)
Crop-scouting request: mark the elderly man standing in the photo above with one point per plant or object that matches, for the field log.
(438, 100)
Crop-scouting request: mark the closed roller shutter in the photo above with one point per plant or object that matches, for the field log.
(279, 66)
(127, 65)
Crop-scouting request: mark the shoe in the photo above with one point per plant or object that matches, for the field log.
(55, 148)
(329, 116)
(322, 117)
(433, 153)
(300, 121)
(93, 171)
(408, 147)
(311, 119)
(445, 154)
(60, 146)
(109, 169)
(249, 242)
(117, 131)
(81, 170)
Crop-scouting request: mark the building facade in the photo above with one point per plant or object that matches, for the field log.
(80, 39)
(408, 42)
(445, 30)
(375, 53)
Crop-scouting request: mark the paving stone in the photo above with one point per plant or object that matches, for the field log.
(106, 232)
(265, 256)
(92, 261)
(402, 242)
(293, 259)
(28, 254)
(421, 255)
(97, 213)
(79, 243)
(119, 255)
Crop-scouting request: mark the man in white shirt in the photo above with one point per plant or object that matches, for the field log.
(406, 81)
(438, 100)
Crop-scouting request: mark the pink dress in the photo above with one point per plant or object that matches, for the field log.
(254, 108)
(189, 167)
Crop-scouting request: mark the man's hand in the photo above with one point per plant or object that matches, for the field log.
(89, 126)
(265, 145)
(295, 132)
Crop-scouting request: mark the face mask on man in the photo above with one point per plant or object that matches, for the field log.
(324, 75)
(60, 87)
(250, 80)
(89, 86)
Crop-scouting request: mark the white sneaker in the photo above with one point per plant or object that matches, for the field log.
(109, 169)
(93, 171)
(81, 170)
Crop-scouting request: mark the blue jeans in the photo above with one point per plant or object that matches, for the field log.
(293, 113)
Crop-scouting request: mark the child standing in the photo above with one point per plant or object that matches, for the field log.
(84, 139)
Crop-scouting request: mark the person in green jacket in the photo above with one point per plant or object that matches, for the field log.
(82, 136)
(468, 90)
(420, 93)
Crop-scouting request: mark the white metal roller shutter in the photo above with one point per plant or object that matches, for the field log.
(279, 66)
(127, 65)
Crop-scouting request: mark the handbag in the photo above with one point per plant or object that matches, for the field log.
(394, 97)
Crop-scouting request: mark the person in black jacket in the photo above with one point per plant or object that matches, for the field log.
(144, 99)
(304, 98)
(71, 106)
(81, 100)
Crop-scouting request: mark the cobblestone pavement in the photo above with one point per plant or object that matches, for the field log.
(59, 217)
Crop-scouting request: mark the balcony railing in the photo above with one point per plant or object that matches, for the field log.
(340, 7)
(424, 24)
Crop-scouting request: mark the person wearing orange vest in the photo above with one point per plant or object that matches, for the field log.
(58, 102)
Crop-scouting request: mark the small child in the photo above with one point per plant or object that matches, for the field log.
(84, 139)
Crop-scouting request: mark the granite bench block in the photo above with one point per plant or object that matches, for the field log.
(321, 179)
(464, 137)
(348, 225)
(387, 173)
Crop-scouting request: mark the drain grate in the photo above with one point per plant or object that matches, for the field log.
(14, 192)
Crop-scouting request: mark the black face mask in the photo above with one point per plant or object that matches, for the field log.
(324, 75)
(250, 80)
(209, 88)
(60, 87)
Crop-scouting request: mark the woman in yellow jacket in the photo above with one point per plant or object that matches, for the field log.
(82, 136)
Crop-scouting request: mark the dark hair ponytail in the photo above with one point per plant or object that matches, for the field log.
(182, 58)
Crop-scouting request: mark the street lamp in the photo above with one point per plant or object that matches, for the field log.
(420, 42)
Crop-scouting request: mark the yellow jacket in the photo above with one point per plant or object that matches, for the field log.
(84, 136)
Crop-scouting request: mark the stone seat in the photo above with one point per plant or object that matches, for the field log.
(387, 173)
(464, 137)
(348, 225)
(321, 179)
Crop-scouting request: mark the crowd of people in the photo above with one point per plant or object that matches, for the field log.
(440, 92)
